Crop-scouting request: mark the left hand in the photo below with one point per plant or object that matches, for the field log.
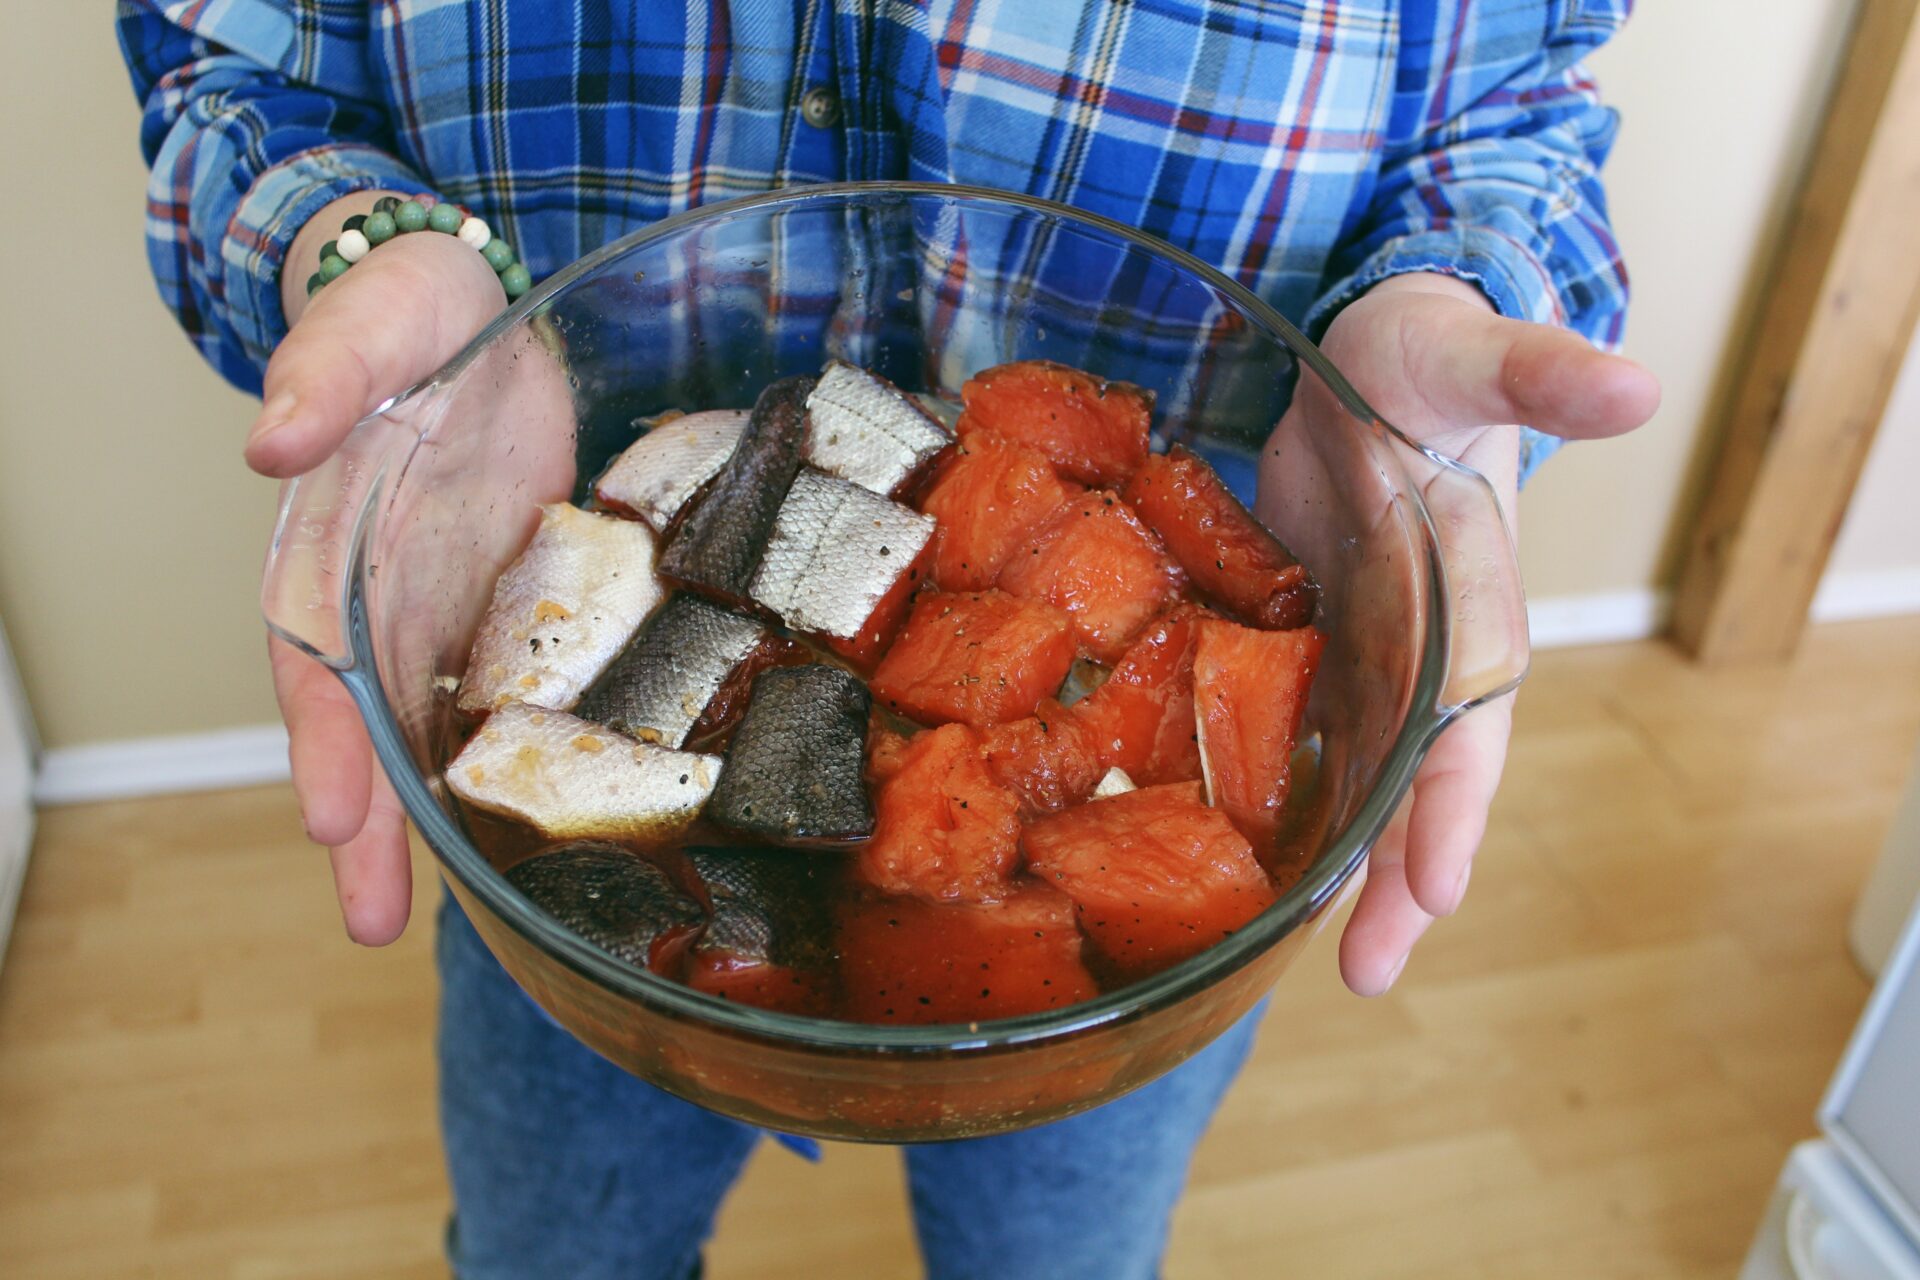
(1430, 356)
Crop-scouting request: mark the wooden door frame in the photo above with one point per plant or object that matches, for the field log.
(1835, 323)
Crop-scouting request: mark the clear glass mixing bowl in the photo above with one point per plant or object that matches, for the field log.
(385, 558)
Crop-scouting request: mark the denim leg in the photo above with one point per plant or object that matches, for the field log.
(562, 1164)
(1086, 1198)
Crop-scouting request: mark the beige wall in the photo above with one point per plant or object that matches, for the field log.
(131, 537)
(130, 534)
(1714, 136)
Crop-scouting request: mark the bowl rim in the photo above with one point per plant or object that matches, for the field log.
(1296, 906)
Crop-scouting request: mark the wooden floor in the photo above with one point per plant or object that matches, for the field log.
(1594, 1071)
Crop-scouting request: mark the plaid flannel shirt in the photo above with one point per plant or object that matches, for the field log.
(1308, 147)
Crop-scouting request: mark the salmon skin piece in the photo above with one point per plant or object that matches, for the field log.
(1250, 696)
(562, 611)
(1227, 552)
(769, 939)
(907, 961)
(1095, 560)
(946, 830)
(1141, 719)
(718, 546)
(769, 905)
(659, 474)
(1156, 875)
(794, 773)
(867, 431)
(988, 498)
(569, 778)
(660, 685)
(978, 657)
(835, 552)
(614, 898)
(1094, 431)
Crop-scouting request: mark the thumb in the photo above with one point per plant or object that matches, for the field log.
(401, 313)
(1475, 368)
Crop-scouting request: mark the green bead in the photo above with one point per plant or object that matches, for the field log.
(331, 249)
(515, 280)
(355, 223)
(386, 204)
(332, 267)
(410, 216)
(445, 218)
(313, 284)
(498, 253)
(378, 228)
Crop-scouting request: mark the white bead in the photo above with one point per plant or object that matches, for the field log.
(475, 232)
(352, 245)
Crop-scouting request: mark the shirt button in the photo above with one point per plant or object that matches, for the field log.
(820, 108)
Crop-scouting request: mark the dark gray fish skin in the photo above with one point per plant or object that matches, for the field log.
(719, 546)
(769, 905)
(610, 896)
(661, 683)
(795, 769)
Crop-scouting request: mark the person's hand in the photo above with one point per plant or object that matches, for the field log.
(398, 315)
(1430, 356)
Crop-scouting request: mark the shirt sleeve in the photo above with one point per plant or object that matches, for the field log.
(1491, 170)
(251, 123)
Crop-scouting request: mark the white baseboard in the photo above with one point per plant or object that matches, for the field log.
(1876, 594)
(151, 766)
(1606, 617)
(1614, 616)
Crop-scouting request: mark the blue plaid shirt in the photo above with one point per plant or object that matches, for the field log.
(1308, 147)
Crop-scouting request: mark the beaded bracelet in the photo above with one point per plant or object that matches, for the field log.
(393, 216)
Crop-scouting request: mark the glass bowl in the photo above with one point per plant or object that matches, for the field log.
(385, 558)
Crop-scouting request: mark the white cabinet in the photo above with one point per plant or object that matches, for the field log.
(1848, 1204)
(16, 790)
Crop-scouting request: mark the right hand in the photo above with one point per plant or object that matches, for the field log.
(400, 313)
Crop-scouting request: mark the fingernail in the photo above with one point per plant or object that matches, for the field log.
(1460, 887)
(274, 414)
(1395, 975)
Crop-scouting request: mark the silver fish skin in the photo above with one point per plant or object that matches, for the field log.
(660, 684)
(867, 431)
(572, 779)
(563, 610)
(836, 549)
(659, 473)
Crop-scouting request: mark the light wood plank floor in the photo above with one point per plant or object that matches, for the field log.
(1594, 1071)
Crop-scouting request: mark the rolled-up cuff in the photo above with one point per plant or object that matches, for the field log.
(1511, 276)
(270, 215)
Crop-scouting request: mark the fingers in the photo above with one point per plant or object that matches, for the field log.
(1420, 866)
(372, 872)
(391, 321)
(1476, 368)
(1386, 921)
(1451, 796)
(345, 798)
(327, 745)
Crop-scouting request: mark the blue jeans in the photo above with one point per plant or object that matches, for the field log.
(565, 1166)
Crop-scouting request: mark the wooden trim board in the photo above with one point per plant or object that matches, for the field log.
(1833, 331)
